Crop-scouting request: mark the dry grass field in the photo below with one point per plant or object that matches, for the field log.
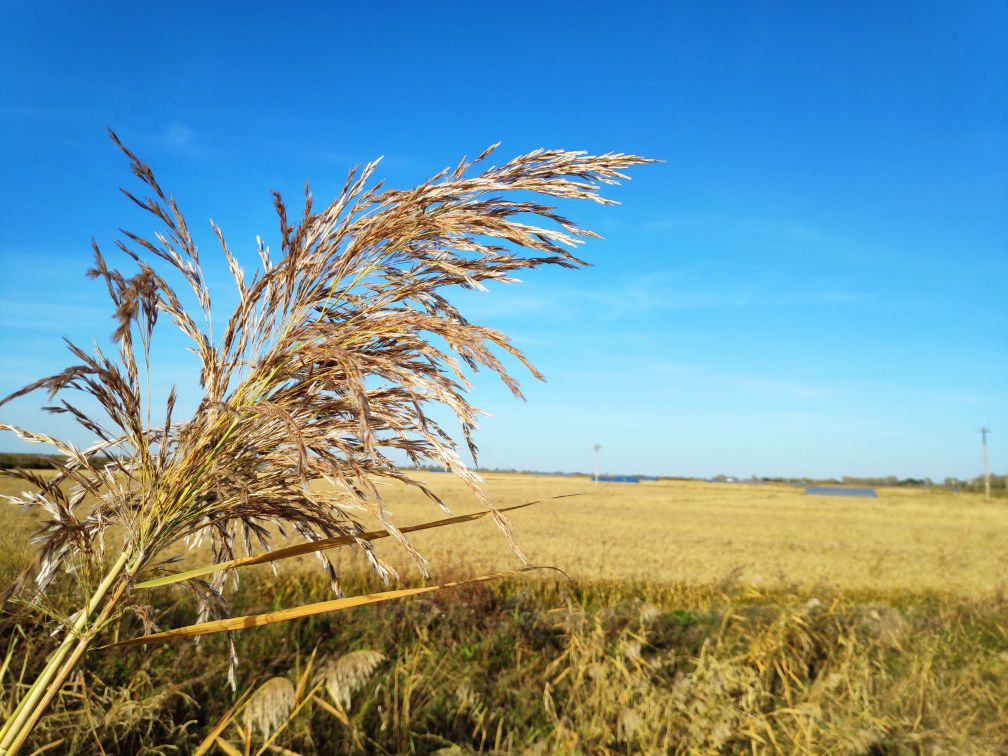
(768, 536)
(696, 532)
(704, 618)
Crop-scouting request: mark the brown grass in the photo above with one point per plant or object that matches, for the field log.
(602, 667)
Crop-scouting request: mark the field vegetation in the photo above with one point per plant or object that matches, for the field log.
(698, 618)
(763, 535)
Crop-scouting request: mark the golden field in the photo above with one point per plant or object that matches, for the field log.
(698, 532)
(767, 536)
(706, 618)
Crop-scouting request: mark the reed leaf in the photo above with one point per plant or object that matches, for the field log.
(250, 621)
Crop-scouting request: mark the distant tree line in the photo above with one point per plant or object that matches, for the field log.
(11, 460)
(998, 483)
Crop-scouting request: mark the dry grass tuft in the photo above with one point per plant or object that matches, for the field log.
(790, 678)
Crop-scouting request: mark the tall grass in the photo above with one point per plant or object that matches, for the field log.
(536, 667)
(325, 369)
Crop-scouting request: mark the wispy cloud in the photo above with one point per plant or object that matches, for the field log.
(180, 139)
(745, 383)
(177, 136)
(779, 229)
(676, 291)
(635, 296)
(706, 377)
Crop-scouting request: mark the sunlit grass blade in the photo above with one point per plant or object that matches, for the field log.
(308, 610)
(308, 548)
(222, 723)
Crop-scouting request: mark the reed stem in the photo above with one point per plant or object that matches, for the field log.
(41, 692)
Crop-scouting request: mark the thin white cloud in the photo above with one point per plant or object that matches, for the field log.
(678, 291)
(692, 375)
(780, 229)
(765, 385)
(635, 297)
(177, 136)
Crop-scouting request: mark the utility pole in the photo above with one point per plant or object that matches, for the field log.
(983, 434)
(598, 448)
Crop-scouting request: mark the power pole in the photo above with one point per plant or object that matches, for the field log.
(598, 448)
(983, 435)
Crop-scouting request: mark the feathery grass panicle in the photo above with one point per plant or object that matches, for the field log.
(269, 706)
(345, 675)
(325, 369)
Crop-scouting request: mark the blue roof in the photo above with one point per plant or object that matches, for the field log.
(868, 493)
(619, 478)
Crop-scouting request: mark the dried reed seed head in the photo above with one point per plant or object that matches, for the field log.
(344, 676)
(629, 723)
(323, 369)
(269, 706)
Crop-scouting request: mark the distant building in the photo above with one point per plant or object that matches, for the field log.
(619, 478)
(866, 493)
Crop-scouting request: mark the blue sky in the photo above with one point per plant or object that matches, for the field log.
(813, 283)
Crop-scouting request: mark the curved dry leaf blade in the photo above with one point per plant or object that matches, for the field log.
(308, 548)
(298, 612)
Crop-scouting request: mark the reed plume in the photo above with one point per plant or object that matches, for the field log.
(344, 676)
(326, 369)
(270, 705)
